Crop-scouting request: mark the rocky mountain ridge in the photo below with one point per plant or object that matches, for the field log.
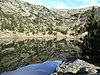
(19, 16)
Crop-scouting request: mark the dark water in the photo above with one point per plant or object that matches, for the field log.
(15, 54)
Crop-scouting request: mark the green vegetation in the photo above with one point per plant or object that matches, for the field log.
(91, 43)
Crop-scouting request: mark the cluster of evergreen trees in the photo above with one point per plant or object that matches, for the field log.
(91, 42)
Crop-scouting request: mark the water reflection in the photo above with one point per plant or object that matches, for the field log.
(21, 53)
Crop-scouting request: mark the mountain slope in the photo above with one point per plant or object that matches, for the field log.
(23, 17)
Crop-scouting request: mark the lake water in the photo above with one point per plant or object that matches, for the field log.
(37, 56)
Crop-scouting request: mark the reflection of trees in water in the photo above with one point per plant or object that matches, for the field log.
(26, 52)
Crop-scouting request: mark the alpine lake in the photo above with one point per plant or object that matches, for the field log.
(18, 53)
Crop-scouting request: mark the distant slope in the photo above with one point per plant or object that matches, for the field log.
(21, 16)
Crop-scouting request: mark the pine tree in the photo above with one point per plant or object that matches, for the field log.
(90, 46)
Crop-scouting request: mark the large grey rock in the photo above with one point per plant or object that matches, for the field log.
(77, 66)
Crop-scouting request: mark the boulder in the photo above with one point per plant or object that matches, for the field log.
(75, 65)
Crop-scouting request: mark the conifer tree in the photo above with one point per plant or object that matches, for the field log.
(90, 46)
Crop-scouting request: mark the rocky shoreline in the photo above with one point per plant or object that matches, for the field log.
(17, 35)
(76, 66)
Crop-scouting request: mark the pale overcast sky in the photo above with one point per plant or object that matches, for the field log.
(69, 4)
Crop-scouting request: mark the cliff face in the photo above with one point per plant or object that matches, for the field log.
(20, 16)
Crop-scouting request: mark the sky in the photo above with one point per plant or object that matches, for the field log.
(65, 4)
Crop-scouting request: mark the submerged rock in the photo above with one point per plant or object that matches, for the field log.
(74, 65)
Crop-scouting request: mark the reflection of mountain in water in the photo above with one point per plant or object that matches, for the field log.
(17, 54)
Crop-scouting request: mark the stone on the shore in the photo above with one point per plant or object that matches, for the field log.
(76, 66)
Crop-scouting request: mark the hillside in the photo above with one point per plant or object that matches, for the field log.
(19, 16)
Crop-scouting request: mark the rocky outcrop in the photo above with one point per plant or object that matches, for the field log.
(76, 66)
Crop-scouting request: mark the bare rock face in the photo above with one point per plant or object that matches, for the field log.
(77, 66)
